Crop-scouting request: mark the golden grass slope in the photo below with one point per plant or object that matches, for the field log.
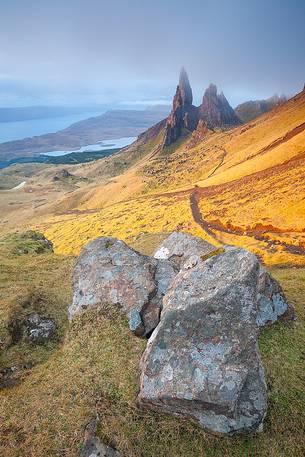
(249, 183)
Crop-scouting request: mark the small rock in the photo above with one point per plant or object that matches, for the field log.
(11, 376)
(39, 329)
(62, 174)
(93, 447)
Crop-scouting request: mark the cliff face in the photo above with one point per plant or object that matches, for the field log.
(215, 111)
(183, 115)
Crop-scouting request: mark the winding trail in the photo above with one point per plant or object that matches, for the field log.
(225, 153)
(197, 216)
(257, 235)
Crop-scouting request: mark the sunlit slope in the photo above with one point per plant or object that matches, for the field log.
(244, 186)
(220, 157)
(128, 220)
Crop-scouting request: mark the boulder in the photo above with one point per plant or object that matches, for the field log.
(39, 329)
(110, 272)
(62, 174)
(202, 361)
(180, 246)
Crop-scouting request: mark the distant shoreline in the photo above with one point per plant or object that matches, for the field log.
(65, 159)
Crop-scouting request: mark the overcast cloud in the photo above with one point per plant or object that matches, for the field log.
(79, 52)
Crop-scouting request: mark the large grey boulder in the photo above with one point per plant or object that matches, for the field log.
(202, 361)
(110, 272)
(180, 246)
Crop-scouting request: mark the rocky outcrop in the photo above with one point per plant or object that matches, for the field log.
(254, 108)
(110, 272)
(62, 174)
(202, 309)
(29, 242)
(202, 361)
(183, 115)
(216, 111)
(199, 134)
(181, 247)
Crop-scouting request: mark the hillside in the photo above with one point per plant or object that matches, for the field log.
(244, 186)
(241, 185)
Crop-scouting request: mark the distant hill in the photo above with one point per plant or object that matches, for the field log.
(110, 125)
(250, 110)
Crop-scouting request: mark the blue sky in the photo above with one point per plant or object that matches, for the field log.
(77, 52)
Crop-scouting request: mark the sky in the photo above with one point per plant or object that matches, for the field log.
(87, 52)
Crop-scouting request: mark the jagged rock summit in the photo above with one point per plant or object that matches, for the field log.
(183, 116)
(202, 309)
(185, 88)
(215, 111)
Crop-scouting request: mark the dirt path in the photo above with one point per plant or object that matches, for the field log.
(220, 163)
(195, 196)
(197, 216)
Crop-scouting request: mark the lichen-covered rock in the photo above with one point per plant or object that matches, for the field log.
(93, 446)
(180, 246)
(202, 361)
(110, 272)
(271, 301)
(39, 329)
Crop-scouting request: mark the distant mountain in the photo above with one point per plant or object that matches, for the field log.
(27, 113)
(250, 110)
(110, 125)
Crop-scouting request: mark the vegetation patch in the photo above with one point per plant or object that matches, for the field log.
(31, 284)
(29, 242)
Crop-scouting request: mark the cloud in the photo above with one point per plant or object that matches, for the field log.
(132, 50)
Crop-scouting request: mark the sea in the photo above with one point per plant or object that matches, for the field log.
(10, 131)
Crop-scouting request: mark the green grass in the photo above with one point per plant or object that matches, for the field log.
(94, 370)
(32, 279)
(29, 242)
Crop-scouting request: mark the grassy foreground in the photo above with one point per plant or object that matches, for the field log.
(92, 368)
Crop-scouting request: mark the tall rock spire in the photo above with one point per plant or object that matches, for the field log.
(184, 114)
(185, 88)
